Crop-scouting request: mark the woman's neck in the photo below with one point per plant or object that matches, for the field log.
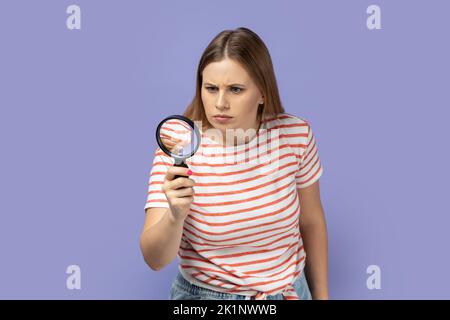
(233, 140)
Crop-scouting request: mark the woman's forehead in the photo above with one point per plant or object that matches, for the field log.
(225, 72)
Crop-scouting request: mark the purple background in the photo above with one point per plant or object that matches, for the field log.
(79, 109)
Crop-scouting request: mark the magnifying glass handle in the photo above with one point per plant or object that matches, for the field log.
(182, 164)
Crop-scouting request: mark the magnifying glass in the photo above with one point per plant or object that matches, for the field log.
(179, 138)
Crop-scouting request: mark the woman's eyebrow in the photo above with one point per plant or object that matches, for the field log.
(230, 85)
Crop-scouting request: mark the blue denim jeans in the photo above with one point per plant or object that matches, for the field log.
(184, 290)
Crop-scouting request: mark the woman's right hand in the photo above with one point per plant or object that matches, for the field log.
(179, 192)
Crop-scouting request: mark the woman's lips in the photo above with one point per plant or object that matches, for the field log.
(222, 119)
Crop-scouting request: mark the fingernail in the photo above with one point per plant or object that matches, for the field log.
(189, 172)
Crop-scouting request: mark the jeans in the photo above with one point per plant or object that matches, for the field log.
(184, 290)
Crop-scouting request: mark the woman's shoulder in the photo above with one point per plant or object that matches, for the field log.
(286, 122)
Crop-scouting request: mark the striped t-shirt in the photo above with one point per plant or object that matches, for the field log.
(242, 232)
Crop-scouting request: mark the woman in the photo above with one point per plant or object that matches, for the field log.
(236, 225)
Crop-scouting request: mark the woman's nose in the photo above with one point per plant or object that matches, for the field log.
(221, 102)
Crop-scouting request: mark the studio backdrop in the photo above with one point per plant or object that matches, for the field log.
(84, 84)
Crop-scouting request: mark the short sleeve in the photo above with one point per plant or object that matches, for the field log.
(310, 167)
(155, 196)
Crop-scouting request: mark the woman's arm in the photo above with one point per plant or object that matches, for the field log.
(314, 233)
(160, 238)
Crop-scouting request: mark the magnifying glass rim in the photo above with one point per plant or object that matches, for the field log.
(191, 124)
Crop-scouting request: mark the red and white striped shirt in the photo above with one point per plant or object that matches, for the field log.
(242, 232)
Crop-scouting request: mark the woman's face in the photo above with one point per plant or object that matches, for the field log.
(228, 89)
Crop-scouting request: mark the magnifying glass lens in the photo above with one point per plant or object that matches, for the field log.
(178, 137)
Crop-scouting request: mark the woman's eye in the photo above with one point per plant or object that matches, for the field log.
(232, 89)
